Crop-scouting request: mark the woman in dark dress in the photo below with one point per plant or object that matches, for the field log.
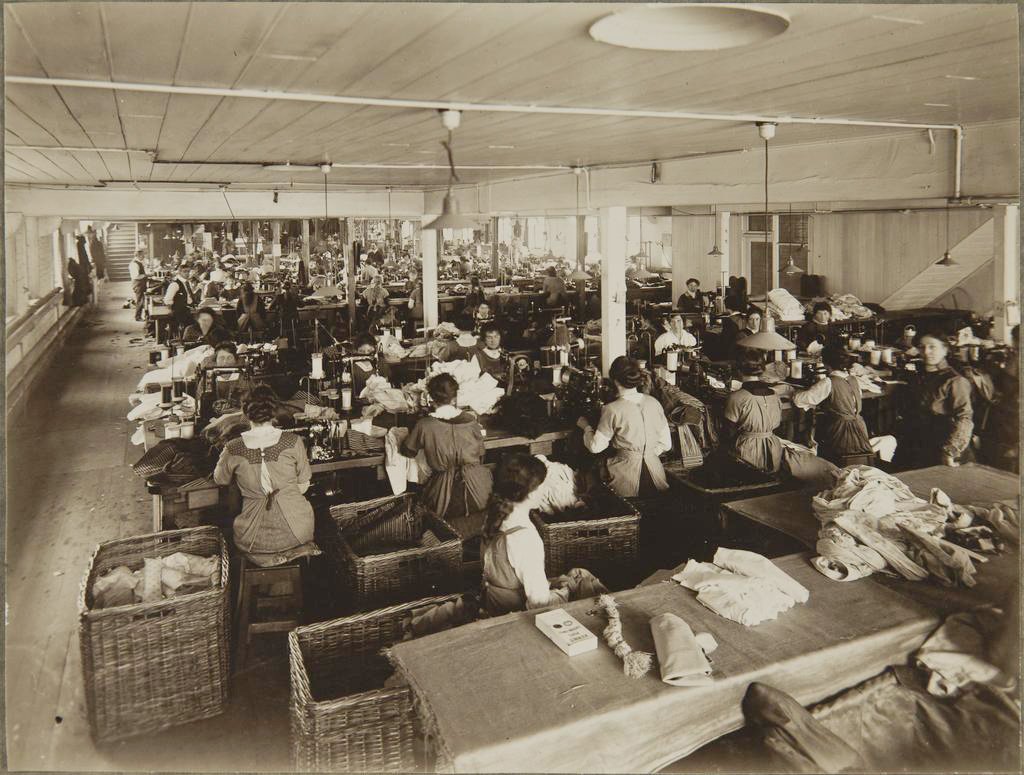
(453, 443)
(840, 429)
(252, 314)
(937, 417)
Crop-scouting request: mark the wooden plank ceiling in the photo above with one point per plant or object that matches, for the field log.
(886, 62)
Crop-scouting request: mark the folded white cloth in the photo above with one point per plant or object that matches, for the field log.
(401, 469)
(884, 447)
(760, 567)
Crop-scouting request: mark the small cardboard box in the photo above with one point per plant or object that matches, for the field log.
(566, 632)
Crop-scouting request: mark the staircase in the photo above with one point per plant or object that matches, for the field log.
(970, 254)
(121, 245)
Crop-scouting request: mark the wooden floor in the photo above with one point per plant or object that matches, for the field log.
(69, 487)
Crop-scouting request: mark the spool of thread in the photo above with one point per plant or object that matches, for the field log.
(796, 369)
(887, 355)
(854, 342)
(556, 375)
(179, 349)
(778, 356)
(642, 363)
(317, 370)
(166, 395)
(876, 357)
(398, 333)
(346, 398)
(869, 343)
(672, 360)
(563, 357)
(188, 429)
(911, 367)
(172, 430)
(975, 352)
(790, 355)
(165, 352)
(178, 389)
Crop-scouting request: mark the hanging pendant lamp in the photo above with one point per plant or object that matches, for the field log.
(450, 217)
(947, 259)
(715, 251)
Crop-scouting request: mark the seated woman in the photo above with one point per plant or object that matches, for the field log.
(674, 334)
(840, 429)
(252, 313)
(225, 354)
(272, 470)
(816, 331)
(753, 413)
(635, 428)
(205, 330)
(489, 355)
(513, 552)
(938, 419)
(453, 443)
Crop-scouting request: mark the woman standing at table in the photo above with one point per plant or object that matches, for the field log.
(273, 474)
(513, 552)
(453, 443)
(840, 430)
(937, 417)
(635, 428)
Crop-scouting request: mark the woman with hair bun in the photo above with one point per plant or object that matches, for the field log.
(272, 470)
(453, 443)
(840, 430)
(635, 427)
(753, 413)
(513, 552)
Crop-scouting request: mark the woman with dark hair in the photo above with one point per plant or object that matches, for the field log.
(453, 443)
(938, 420)
(513, 552)
(840, 430)
(553, 288)
(753, 413)
(816, 330)
(634, 426)
(475, 296)
(272, 471)
(252, 313)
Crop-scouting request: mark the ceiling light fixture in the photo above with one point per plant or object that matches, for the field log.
(688, 27)
(947, 259)
(450, 218)
(715, 251)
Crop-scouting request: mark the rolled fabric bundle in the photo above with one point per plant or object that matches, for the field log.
(680, 656)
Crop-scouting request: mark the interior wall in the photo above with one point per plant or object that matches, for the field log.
(976, 292)
(871, 255)
(897, 166)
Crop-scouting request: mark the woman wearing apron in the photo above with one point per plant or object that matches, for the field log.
(513, 552)
(840, 430)
(938, 420)
(635, 428)
(275, 525)
(753, 413)
(453, 443)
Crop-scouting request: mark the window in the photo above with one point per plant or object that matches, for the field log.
(755, 223)
(790, 241)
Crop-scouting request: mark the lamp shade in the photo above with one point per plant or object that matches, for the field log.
(946, 260)
(766, 338)
(792, 268)
(715, 251)
(580, 274)
(450, 218)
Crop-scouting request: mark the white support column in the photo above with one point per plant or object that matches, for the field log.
(430, 242)
(1006, 252)
(722, 231)
(570, 240)
(305, 241)
(275, 249)
(775, 254)
(613, 285)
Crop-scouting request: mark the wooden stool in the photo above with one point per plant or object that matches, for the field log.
(269, 600)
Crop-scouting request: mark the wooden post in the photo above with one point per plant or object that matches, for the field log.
(430, 240)
(275, 249)
(495, 262)
(723, 245)
(305, 241)
(613, 285)
(350, 275)
(1006, 251)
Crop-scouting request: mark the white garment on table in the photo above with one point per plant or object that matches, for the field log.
(956, 653)
(525, 551)
(401, 469)
(557, 492)
(884, 447)
(759, 592)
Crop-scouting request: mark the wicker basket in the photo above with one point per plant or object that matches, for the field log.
(607, 539)
(372, 580)
(342, 717)
(364, 444)
(148, 666)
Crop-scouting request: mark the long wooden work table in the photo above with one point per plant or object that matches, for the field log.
(497, 691)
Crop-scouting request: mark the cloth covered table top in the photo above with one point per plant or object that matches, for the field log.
(497, 696)
(790, 513)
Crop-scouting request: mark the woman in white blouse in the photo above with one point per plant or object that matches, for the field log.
(513, 552)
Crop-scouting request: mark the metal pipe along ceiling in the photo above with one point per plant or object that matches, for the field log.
(387, 102)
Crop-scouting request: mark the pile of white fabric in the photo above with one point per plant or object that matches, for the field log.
(158, 579)
(742, 586)
(183, 366)
(849, 305)
(378, 392)
(871, 521)
(782, 305)
(477, 391)
(557, 492)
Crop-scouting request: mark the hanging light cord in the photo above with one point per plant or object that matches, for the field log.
(453, 176)
(767, 258)
(224, 193)
(325, 199)
(947, 226)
